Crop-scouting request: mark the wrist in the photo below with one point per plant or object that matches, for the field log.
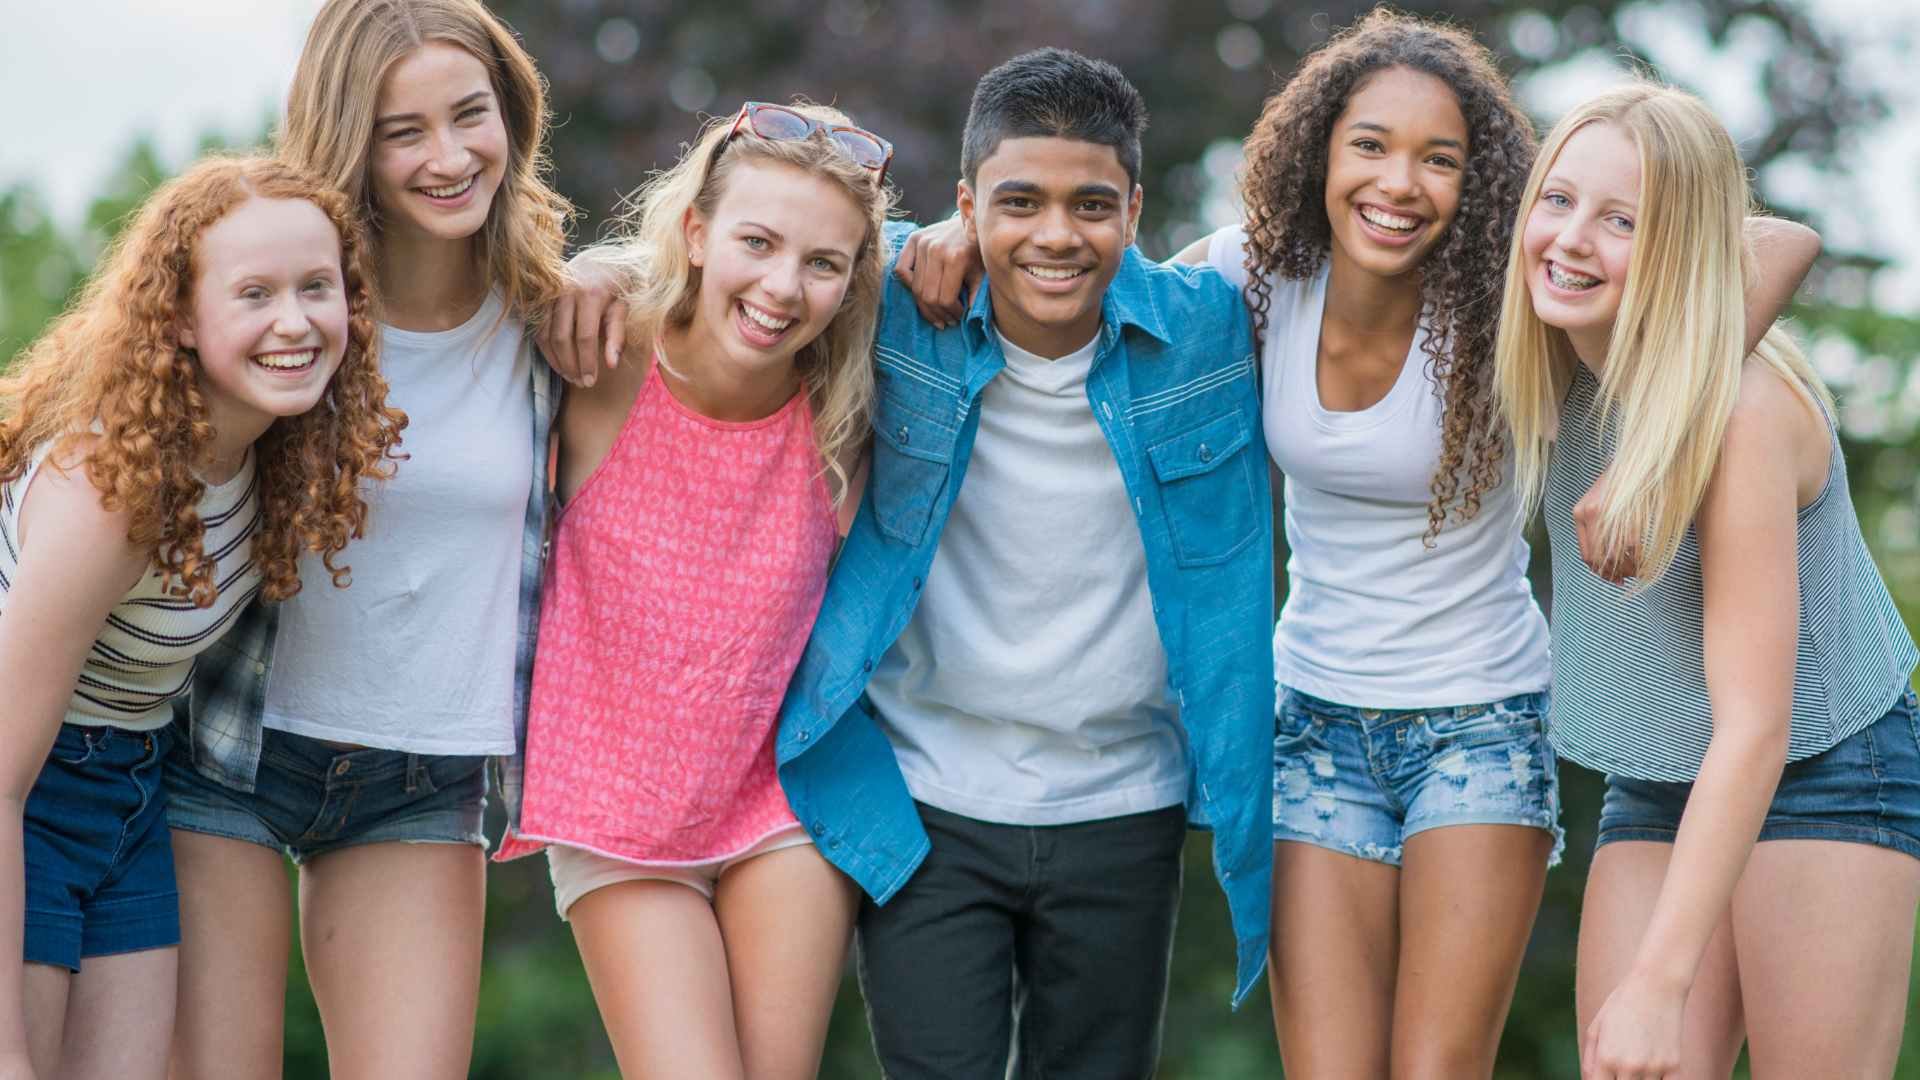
(1663, 975)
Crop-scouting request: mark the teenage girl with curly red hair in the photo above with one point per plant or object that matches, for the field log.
(203, 416)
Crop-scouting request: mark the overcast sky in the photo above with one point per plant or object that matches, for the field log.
(80, 79)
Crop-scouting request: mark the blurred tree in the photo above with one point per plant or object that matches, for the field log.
(630, 77)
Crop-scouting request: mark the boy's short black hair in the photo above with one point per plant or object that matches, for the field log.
(1054, 93)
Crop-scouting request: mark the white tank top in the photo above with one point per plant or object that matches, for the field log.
(145, 652)
(1374, 617)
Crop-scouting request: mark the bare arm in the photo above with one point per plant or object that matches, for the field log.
(1783, 252)
(942, 265)
(75, 565)
(1751, 599)
(1194, 254)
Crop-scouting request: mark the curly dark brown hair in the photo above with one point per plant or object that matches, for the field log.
(1283, 187)
(113, 366)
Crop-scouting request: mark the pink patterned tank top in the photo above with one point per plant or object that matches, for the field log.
(686, 574)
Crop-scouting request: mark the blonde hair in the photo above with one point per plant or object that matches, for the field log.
(1673, 364)
(649, 250)
(333, 103)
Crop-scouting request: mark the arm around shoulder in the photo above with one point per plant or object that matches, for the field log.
(1783, 252)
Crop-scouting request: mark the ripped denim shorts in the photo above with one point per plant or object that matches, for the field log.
(1360, 781)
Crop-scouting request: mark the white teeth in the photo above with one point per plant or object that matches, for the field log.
(765, 321)
(450, 190)
(287, 361)
(1395, 222)
(1567, 279)
(1054, 273)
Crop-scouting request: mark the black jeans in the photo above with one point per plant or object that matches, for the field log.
(1048, 945)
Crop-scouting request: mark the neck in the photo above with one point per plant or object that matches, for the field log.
(1590, 346)
(694, 369)
(428, 283)
(1047, 341)
(234, 430)
(1366, 304)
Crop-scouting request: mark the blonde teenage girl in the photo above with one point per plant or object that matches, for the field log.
(351, 730)
(202, 416)
(1724, 648)
(700, 485)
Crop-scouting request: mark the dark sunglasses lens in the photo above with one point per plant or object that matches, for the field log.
(772, 122)
(864, 149)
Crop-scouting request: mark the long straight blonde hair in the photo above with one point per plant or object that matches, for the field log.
(649, 251)
(1673, 363)
(333, 103)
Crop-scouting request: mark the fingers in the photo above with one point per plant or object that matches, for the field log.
(614, 329)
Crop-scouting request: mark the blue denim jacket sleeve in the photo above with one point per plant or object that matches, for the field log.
(1173, 389)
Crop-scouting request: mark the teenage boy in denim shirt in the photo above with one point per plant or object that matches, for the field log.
(1023, 688)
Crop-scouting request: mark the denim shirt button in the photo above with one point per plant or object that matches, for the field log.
(1206, 453)
(901, 435)
(804, 735)
(916, 583)
(868, 666)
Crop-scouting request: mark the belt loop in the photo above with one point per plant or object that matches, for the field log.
(413, 774)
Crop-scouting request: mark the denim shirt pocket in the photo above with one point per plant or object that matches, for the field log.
(1207, 486)
(912, 456)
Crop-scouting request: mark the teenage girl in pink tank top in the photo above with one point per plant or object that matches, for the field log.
(699, 494)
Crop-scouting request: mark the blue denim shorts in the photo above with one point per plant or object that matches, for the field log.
(1360, 781)
(99, 862)
(310, 798)
(1864, 789)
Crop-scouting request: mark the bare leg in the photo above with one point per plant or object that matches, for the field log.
(44, 990)
(236, 925)
(391, 934)
(1334, 945)
(1622, 886)
(1824, 931)
(653, 953)
(120, 1017)
(786, 918)
(1468, 895)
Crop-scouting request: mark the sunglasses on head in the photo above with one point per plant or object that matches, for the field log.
(777, 123)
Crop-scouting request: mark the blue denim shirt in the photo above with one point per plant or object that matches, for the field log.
(222, 717)
(1172, 386)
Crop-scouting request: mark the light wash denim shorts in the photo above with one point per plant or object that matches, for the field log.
(1360, 781)
(1864, 789)
(310, 798)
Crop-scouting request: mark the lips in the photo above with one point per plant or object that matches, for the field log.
(450, 192)
(1569, 280)
(759, 326)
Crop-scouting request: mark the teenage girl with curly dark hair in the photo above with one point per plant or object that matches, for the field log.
(1415, 804)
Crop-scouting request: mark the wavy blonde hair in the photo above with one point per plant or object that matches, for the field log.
(333, 103)
(649, 251)
(1672, 370)
(112, 366)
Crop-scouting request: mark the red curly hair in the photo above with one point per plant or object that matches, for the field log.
(112, 365)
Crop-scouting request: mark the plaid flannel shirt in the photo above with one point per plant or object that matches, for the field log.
(221, 716)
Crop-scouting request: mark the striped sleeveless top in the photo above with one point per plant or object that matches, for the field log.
(1629, 673)
(145, 653)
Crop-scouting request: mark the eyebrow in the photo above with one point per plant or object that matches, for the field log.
(768, 229)
(457, 106)
(1561, 180)
(1028, 187)
(1368, 125)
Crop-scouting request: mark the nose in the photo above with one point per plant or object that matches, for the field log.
(782, 280)
(1055, 231)
(1576, 236)
(1398, 178)
(290, 317)
(449, 154)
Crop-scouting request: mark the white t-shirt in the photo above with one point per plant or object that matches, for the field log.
(418, 653)
(1373, 617)
(1030, 686)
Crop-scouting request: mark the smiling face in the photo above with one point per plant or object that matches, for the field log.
(775, 259)
(1052, 218)
(439, 144)
(269, 313)
(1577, 240)
(1395, 162)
